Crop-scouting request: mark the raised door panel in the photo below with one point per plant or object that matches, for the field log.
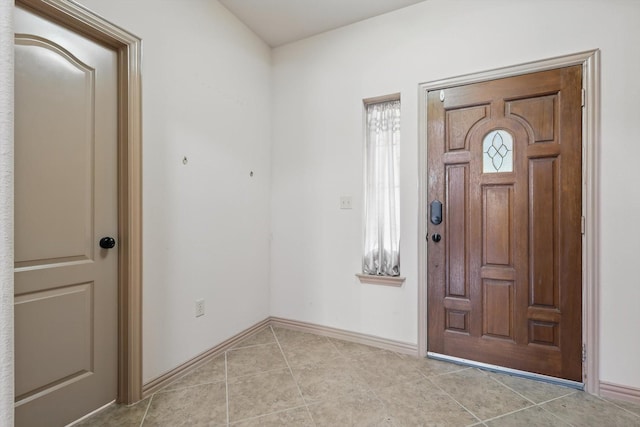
(459, 123)
(543, 219)
(538, 113)
(456, 212)
(54, 159)
(63, 319)
(497, 225)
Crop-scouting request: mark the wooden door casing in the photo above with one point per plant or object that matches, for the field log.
(504, 284)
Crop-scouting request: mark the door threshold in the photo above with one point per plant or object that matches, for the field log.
(500, 369)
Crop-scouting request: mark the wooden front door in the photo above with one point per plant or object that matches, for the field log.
(504, 280)
(66, 134)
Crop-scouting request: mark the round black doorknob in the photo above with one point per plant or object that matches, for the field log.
(107, 242)
(436, 237)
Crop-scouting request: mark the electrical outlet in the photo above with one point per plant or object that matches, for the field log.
(345, 202)
(199, 307)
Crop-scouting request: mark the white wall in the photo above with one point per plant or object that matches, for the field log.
(6, 213)
(318, 87)
(206, 95)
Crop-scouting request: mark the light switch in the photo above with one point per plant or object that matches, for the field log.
(345, 202)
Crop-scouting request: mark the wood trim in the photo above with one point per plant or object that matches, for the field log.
(356, 337)
(82, 20)
(383, 98)
(515, 70)
(591, 212)
(129, 50)
(423, 184)
(202, 358)
(620, 392)
(381, 280)
(130, 224)
(590, 60)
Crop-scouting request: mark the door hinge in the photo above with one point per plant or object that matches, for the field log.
(584, 352)
(442, 95)
(584, 96)
(583, 226)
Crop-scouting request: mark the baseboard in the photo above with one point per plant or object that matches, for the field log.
(373, 341)
(620, 392)
(607, 390)
(183, 369)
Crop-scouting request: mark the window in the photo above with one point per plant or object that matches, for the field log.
(381, 257)
(497, 152)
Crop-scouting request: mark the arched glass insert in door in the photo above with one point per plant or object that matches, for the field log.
(497, 152)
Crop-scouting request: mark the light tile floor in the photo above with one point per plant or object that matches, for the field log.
(280, 377)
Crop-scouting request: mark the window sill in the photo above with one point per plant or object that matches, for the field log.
(396, 281)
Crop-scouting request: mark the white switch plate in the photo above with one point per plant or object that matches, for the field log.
(199, 307)
(345, 202)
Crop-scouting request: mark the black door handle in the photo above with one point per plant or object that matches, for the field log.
(436, 237)
(107, 242)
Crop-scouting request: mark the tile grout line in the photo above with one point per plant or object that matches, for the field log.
(442, 374)
(335, 347)
(370, 390)
(350, 357)
(279, 411)
(187, 387)
(388, 414)
(510, 413)
(454, 399)
(554, 414)
(572, 392)
(422, 376)
(625, 409)
(146, 411)
(618, 406)
(569, 393)
(253, 374)
(293, 377)
(251, 346)
(509, 388)
(597, 397)
(259, 373)
(226, 385)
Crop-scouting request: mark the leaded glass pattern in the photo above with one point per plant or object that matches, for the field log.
(497, 152)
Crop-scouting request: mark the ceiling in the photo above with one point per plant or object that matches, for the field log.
(279, 22)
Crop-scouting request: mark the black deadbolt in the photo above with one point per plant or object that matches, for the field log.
(107, 242)
(436, 237)
(436, 212)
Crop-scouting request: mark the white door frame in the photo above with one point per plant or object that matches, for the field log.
(590, 61)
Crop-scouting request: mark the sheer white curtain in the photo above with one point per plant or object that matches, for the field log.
(382, 191)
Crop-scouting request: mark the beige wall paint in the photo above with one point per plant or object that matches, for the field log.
(206, 96)
(318, 87)
(6, 213)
